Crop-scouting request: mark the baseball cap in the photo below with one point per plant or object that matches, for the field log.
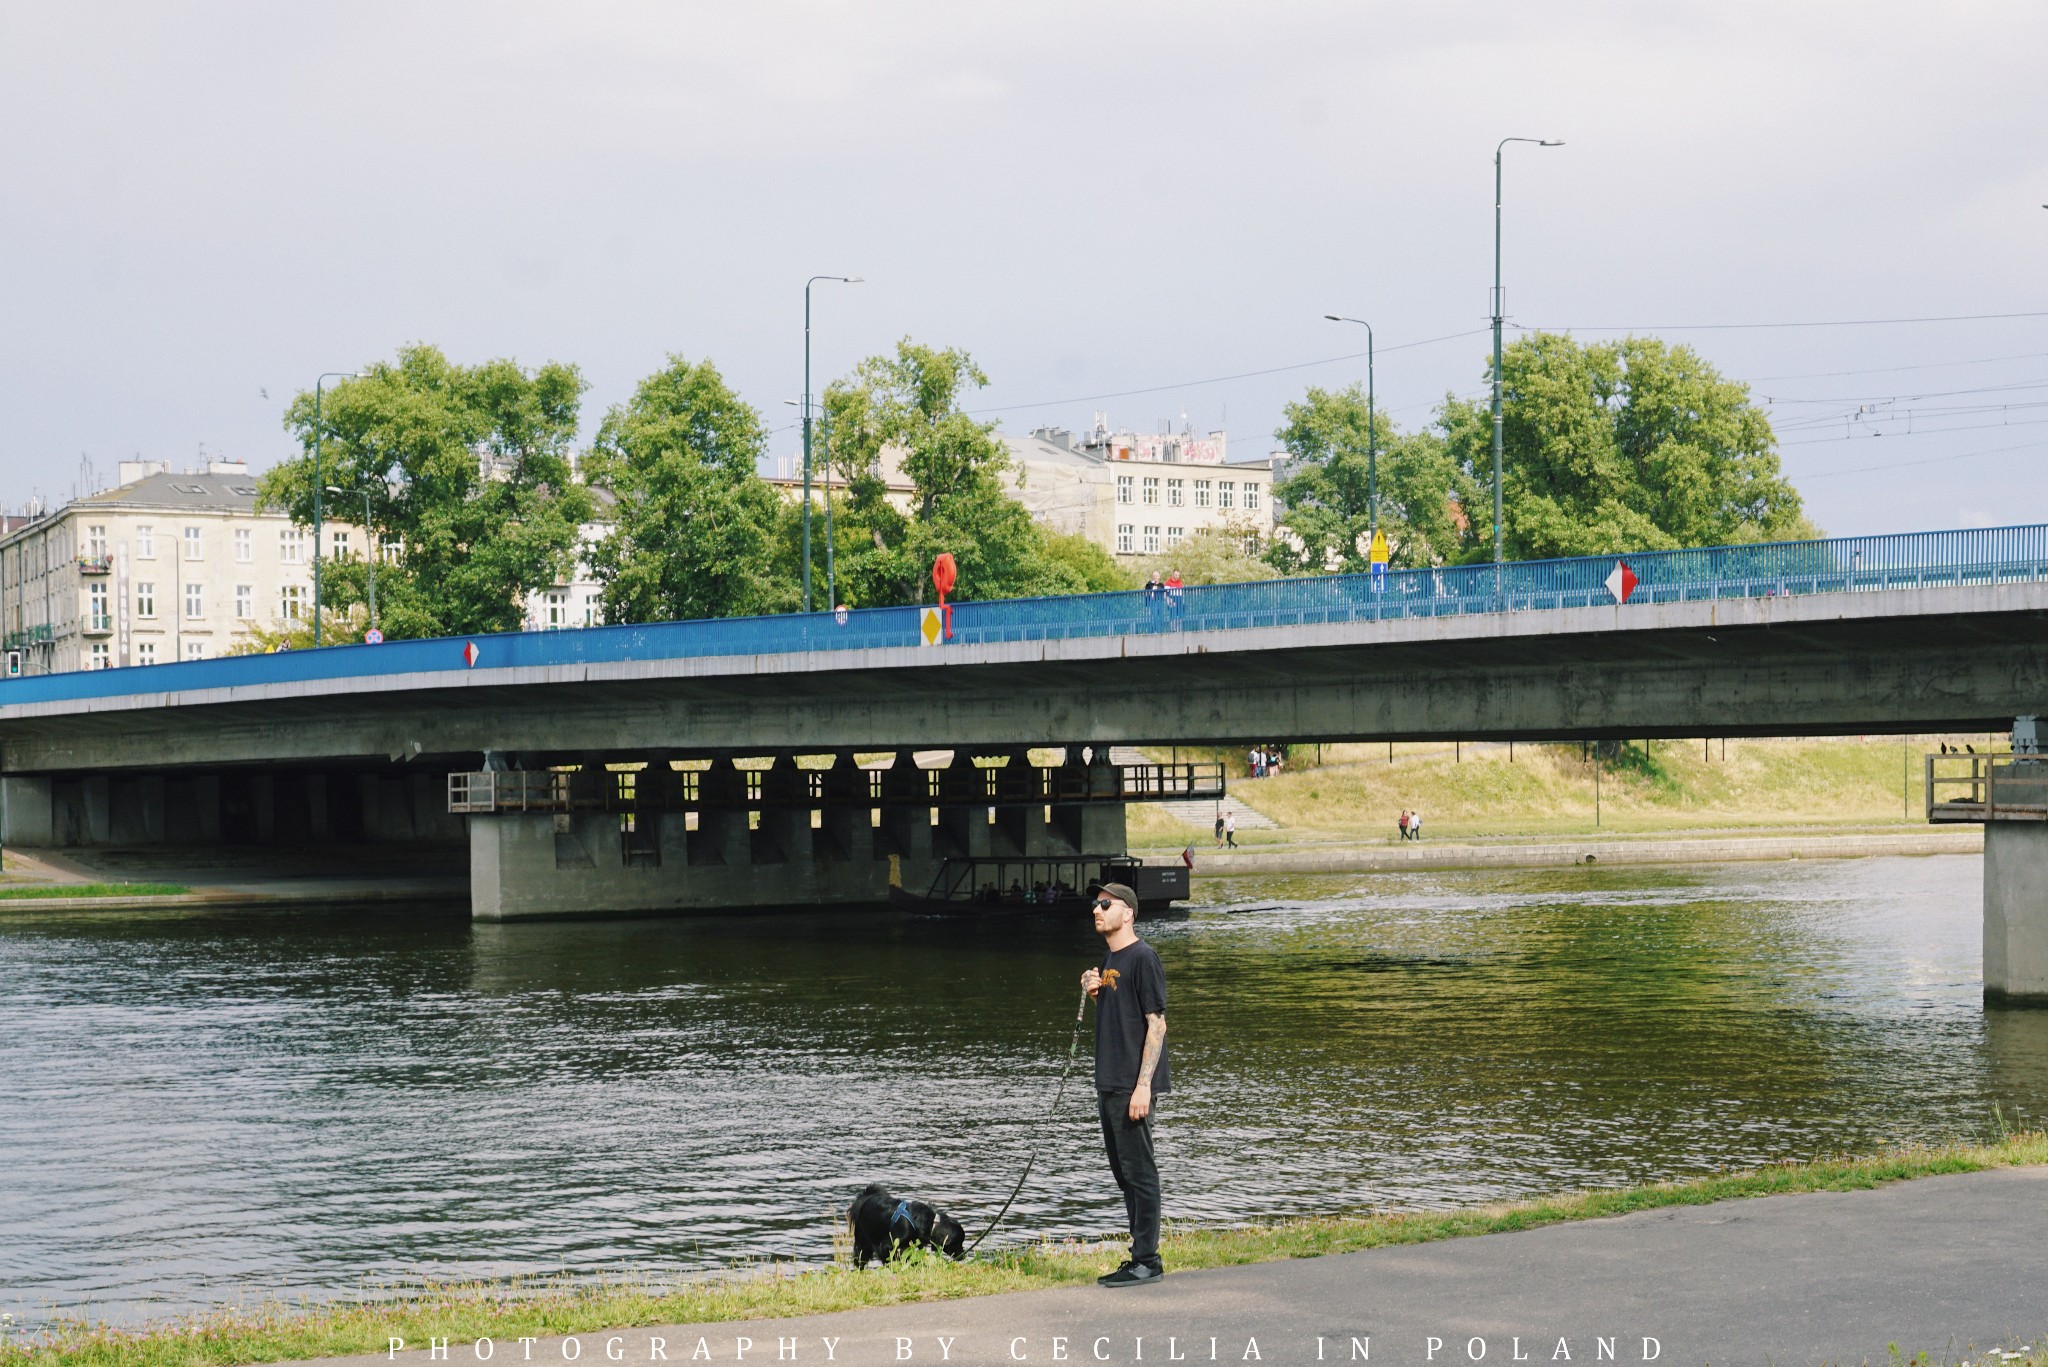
(1120, 891)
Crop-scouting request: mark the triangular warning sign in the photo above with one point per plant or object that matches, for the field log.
(1621, 581)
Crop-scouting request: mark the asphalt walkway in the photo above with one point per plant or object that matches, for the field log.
(1953, 1265)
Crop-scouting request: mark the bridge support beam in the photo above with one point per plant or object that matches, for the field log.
(2016, 913)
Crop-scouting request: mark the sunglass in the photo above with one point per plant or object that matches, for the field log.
(1103, 904)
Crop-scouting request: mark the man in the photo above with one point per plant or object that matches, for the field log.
(1129, 990)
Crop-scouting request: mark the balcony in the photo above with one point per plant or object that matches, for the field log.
(95, 564)
(27, 637)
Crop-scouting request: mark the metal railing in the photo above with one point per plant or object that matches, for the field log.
(1986, 788)
(1866, 564)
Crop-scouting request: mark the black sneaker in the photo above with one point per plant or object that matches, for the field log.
(1132, 1274)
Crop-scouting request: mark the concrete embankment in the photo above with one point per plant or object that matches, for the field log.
(1564, 853)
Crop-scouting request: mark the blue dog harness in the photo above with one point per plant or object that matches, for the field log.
(902, 1212)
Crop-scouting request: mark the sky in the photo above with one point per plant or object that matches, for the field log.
(1136, 209)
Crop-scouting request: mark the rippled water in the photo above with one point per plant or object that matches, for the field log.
(199, 1108)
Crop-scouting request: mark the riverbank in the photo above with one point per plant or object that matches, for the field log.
(1354, 792)
(157, 878)
(541, 1309)
(1618, 851)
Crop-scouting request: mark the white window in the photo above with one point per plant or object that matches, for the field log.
(96, 543)
(195, 602)
(1123, 488)
(1251, 496)
(1176, 535)
(195, 650)
(1201, 493)
(245, 601)
(192, 548)
(245, 546)
(96, 605)
(590, 606)
(555, 610)
(1124, 534)
(1226, 493)
(339, 545)
(1151, 540)
(1176, 492)
(291, 546)
(1152, 489)
(145, 599)
(145, 652)
(1251, 543)
(291, 603)
(100, 658)
(390, 545)
(145, 543)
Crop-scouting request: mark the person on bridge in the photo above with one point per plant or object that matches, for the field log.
(1130, 1070)
(1230, 829)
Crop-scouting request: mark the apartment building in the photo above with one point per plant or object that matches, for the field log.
(165, 566)
(1136, 496)
(1139, 498)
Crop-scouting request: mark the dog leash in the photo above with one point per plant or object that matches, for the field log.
(1073, 1049)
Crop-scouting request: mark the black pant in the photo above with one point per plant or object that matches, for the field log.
(1129, 1143)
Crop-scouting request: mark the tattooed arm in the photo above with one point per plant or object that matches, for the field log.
(1155, 1044)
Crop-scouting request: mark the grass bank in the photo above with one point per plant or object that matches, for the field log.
(1472, 791)
(22, 891)
(509, 1310)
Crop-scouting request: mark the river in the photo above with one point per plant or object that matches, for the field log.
(201, 1108)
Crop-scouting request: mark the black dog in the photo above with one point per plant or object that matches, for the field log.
(883, 1227)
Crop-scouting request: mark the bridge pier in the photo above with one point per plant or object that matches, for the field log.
(2016, 913)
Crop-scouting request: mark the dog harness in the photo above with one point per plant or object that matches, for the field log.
(902, 1212)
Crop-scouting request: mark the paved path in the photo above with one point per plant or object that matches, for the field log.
(1953, 1265)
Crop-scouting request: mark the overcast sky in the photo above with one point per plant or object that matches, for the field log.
(206, 204)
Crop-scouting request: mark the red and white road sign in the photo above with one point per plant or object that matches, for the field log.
(1621, 581)
(470, 653)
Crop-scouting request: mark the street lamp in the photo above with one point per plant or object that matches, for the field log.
(319, 437)
(830, 587)
(1372, 438)
(1497, 312)
(369, 547)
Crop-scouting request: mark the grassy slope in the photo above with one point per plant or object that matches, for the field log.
(461, 1314)
(1548, 790)
(36, 890)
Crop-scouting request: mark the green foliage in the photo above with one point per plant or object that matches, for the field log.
(1627, 445)
(339, 626)
(910, 401)
(1084, 566)
(1213, 555)
(468, 469)
(695, 526)
(1327, 490)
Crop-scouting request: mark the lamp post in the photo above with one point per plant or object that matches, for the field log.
(1372, 436)
(319, 437)
(830, 587)
(369, 547)
(1498, 310)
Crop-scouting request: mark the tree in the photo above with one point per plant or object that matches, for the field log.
(1213, 555)
(468, 471)
(1627, 445)
(694, 530)
(1326, 490)
(910, 401)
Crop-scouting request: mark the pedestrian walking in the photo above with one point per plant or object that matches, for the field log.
(1131, 1069)
(1155, 598)
(1401, 824)
(1219, 830)
(1176, 595)
(1415, 826)
(1230, 829)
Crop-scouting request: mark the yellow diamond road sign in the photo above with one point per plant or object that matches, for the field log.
(930, 627)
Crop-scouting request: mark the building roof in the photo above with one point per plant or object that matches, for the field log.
(179, 492)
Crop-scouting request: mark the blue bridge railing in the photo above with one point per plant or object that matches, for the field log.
(1993, 555)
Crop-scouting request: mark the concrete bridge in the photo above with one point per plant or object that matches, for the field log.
(1914, 633)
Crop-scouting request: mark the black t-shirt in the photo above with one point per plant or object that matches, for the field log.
(1133, 987)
